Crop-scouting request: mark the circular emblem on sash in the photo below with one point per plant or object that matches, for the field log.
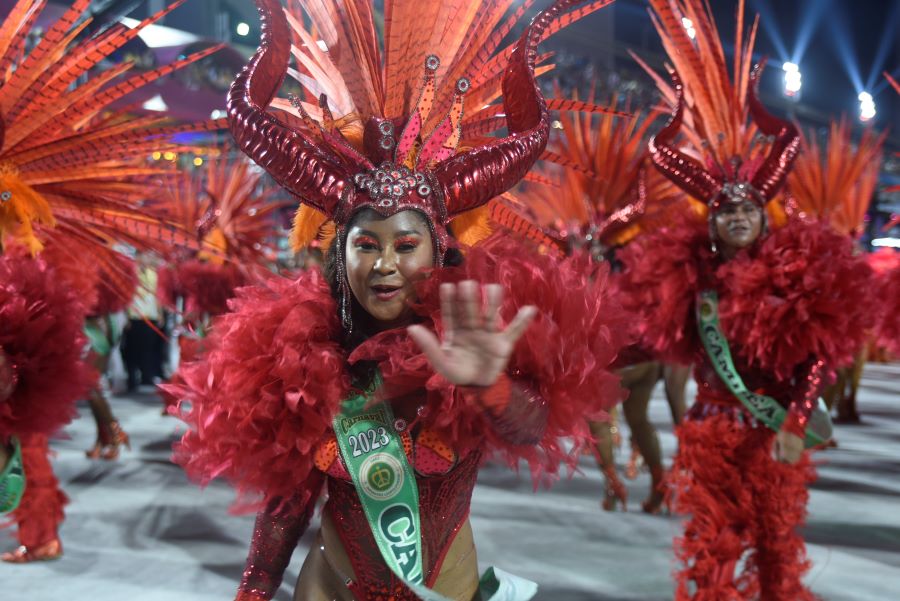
(381, 476)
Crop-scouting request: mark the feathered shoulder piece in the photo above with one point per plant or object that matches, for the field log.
(41, 343)
(267, 390)
(565, 355)
(663, 272)
(802, 291)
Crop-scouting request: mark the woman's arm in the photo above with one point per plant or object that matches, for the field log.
(809, 383)
(517, 411)
(275, 535)
(789, 442)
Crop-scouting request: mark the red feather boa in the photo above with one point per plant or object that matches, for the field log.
(663, 272)
(168, 288)
(269, 388)
(803, 292)
(112, 299)
(888, 330)
(41, 334)
(799, 291)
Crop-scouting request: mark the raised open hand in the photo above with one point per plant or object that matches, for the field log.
(475, 351)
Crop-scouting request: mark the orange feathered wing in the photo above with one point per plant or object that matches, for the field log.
(836, 182)
(68, 166)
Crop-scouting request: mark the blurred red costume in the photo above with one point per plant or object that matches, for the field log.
(789, 305)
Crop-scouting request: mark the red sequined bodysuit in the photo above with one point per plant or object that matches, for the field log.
(445, 483)
(799, 396)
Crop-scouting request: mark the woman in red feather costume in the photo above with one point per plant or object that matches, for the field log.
(399, 333)
(40, 334)
(602, 214)
(224, 205)
(761, 314)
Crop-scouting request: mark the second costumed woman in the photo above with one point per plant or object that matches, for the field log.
(762, 314)
(393, 378)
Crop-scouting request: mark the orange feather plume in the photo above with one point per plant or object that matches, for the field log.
(340, 52)
(227, 207)
(597, 183)
(836, 182)
(716, 121)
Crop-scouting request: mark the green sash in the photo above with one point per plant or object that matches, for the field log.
(762, 407)
(386, 485)
(12, 480)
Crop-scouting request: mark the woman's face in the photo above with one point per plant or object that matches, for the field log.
(738, 225)
(385, 257)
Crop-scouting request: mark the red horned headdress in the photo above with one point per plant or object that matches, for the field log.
(400, 156)
(725, 158)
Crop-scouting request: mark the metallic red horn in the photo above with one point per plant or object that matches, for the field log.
(291, 158)
(770, 176)
(684, 171)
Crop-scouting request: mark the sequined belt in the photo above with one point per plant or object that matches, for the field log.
(708, 405)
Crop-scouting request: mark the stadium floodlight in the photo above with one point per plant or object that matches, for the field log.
(866, 106)
(793, 80)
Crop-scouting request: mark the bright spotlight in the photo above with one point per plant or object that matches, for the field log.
(689, 27)
(793, 81)
(243, 29)
(866, 106)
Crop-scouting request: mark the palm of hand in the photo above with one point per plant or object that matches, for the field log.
(476, 357)
(474, 351)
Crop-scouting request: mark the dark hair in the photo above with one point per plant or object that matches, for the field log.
(363, 371)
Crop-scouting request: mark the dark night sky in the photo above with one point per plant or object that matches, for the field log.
(850, 42)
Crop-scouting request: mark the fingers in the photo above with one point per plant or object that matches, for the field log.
(494, 296)
(430, 345)
(448, 311)
(470, 304)
(520, 323)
